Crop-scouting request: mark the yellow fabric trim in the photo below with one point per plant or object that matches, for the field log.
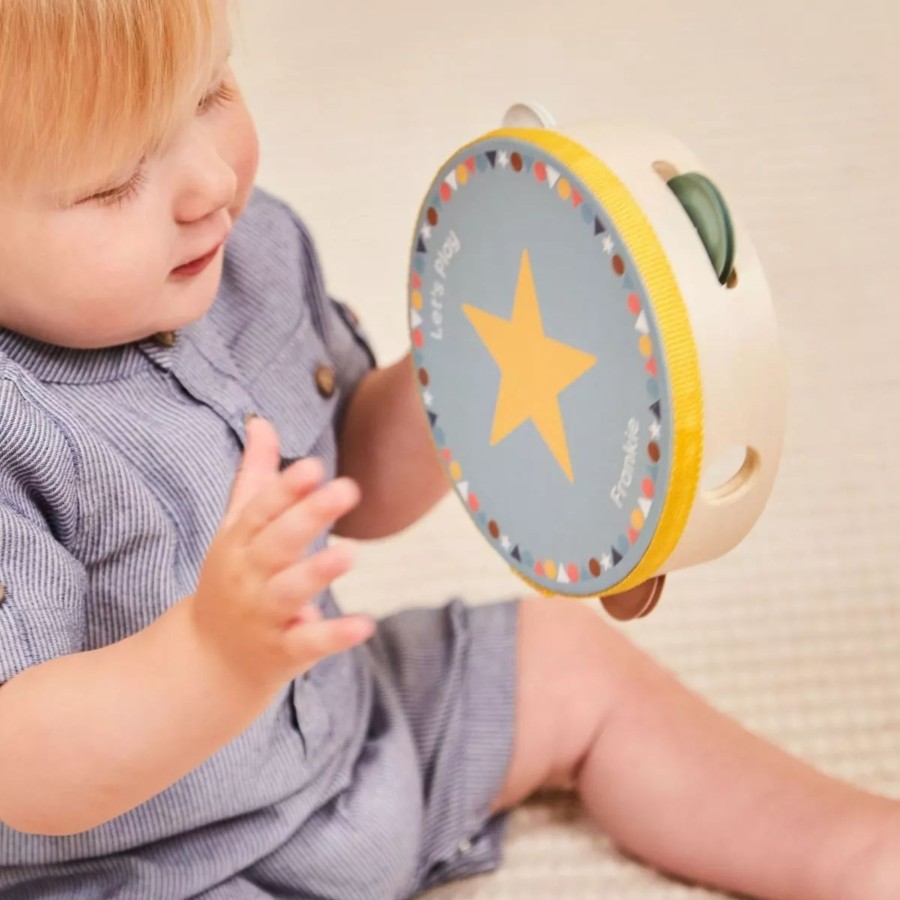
(682, 362)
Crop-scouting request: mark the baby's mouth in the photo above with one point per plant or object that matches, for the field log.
(196, 266)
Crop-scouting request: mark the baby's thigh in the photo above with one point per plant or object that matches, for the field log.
(572, 668)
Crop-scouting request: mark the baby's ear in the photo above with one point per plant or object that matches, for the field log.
(259, 464)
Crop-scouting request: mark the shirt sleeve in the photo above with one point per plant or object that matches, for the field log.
(350, 345)
(42, 584)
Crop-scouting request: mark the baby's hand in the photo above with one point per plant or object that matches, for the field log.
(253, 601)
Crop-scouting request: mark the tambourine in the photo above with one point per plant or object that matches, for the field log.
(597, 355)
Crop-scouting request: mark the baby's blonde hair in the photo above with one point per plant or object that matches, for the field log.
(89, 86)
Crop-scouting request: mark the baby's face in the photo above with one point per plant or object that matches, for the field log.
(140, 253)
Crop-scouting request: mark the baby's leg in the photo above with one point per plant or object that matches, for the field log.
(679, 785)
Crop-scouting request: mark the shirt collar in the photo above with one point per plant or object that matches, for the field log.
(63, 365)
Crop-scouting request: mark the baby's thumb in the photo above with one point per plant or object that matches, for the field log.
(259, 464)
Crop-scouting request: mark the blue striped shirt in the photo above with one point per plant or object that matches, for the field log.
(115, 470)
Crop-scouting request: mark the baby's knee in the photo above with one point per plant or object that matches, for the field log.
(576, 645)
(576, 622)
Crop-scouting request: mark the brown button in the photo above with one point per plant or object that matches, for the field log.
(2, 594)
(165, 338)
(325, 381)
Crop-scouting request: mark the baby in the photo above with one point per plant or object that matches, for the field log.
(185, 416)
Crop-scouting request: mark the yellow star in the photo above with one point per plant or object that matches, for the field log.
(534, 369)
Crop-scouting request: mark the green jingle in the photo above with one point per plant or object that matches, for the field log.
(707, 210)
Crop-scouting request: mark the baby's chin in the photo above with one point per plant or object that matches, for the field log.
(183, 308)
(171, 306)
(189, 300)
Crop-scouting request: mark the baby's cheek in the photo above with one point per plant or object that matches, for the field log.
(245, 163)
(134, 278)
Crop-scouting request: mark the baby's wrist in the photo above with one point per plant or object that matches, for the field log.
(210, 661)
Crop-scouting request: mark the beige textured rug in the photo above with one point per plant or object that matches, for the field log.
(795, 106)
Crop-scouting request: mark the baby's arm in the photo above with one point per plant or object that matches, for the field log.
(89, 736)
(385, 446)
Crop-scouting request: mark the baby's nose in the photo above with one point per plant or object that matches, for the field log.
(208, 184)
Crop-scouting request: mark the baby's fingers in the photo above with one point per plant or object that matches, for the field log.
(259, 467)
(284, 541)
(313, 642)
(292, 589)
(297, 481)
